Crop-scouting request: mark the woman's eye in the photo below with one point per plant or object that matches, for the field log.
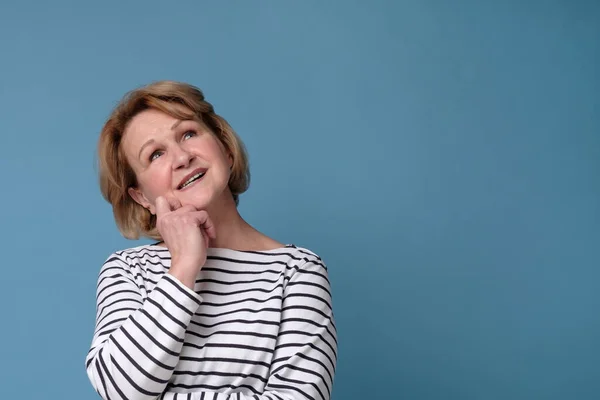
(155, 155)
(189, 134)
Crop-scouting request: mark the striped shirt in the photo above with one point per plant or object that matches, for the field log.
(258, 325)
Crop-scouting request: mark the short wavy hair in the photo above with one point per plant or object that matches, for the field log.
(115, 173)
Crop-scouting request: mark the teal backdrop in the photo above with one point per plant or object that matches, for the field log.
(442, 157)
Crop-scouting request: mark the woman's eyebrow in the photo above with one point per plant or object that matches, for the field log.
(144, 145)
(176, 124)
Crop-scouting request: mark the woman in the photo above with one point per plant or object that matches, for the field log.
(215, 309)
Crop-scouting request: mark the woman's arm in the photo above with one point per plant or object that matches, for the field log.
(306, 352)
(136, 343)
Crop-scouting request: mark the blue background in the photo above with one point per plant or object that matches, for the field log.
(442, 157)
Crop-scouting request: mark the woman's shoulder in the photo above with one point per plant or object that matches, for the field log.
(287, 250)
(150, 249)
(308, 255)
(141, 255)
(300, 257)
(287, 256)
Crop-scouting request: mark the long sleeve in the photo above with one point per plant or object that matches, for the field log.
(305, 355)
(137, 339)
(306, 352)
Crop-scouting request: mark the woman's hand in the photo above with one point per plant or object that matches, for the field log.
(186, 233)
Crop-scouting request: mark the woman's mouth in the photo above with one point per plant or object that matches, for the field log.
(191, 180)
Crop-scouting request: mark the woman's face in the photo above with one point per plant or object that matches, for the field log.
(175, 158)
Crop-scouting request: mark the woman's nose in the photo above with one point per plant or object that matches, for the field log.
(181, 157)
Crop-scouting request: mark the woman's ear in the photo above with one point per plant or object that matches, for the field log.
(138, 196)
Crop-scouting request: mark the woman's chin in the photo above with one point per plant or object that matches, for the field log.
(199, 200)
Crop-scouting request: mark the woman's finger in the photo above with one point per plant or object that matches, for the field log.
(173, 202)
(206, 223)
(187, 208)
(162, 206)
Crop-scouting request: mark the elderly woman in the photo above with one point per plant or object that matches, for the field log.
(215, 309)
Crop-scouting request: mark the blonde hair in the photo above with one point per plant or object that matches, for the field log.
(115, 173)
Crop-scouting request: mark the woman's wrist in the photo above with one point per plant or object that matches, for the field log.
(184, 273)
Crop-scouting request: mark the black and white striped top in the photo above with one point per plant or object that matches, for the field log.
(258, 325)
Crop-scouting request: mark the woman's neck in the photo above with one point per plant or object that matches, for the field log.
(233, 232)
